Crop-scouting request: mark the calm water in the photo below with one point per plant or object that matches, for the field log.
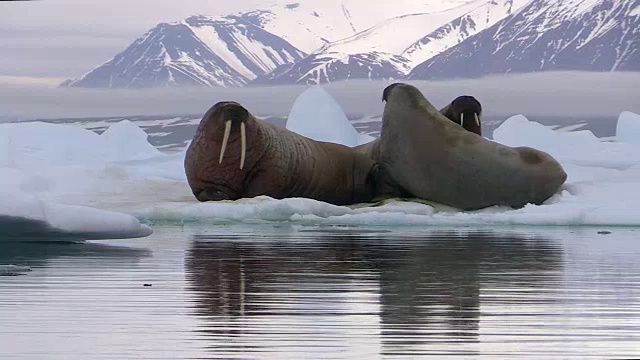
(294, 292)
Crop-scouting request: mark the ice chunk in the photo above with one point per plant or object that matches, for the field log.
(30, 143)
(25, 216)
(128, 142)
(316, 115)
(628, 128)
(575, 147)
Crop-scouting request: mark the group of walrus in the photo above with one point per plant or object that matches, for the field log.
(437, 156)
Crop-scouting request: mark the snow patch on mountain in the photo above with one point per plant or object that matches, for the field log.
(482, 16)
(329, 67)
(588, 35)
(309, 25)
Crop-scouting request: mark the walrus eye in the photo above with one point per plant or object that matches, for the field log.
(225, 139)
(475, 115)
(461, 119)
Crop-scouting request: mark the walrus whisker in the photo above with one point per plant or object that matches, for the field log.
(477, 119)
(461, 119)
(243, 144)
(225, 139)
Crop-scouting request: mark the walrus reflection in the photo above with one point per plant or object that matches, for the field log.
(427, 289)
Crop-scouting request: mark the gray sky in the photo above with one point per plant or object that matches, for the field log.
(66, 38)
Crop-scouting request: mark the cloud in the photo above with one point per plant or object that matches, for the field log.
(554, 93)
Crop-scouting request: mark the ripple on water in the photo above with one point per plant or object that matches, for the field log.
(292, 292)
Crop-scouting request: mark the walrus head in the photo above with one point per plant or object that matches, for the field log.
(223, 118)
(401, 93)
(466, 111)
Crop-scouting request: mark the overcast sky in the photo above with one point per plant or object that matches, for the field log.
(65, 38)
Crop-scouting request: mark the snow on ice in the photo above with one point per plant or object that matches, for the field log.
(64, 179)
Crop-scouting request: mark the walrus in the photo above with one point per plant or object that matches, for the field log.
(454, 111)
(234, 155)
(466, 111)
(432, 158)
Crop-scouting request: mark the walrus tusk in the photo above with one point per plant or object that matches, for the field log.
(461, 119)
(477, 119)
(243, 144)
(225, 139)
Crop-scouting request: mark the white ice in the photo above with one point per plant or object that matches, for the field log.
(42, 164)
(51, 173)
(316, 115)
(628, 128)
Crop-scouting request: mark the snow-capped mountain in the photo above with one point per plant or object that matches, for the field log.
(328, 67)
(229, 51)
(308, 42)
(593, 35)
(393, 47)
(311, 24)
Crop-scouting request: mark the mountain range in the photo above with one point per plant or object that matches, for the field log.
(293, 43)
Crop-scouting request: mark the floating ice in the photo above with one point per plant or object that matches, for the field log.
(24, 216)
(50, 189)
(316, 115)
(628, 128)
(43, 166)
(570, 147)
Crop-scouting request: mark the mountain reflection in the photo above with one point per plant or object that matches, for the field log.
(406, 291)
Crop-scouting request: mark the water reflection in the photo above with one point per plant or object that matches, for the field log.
(39, 254)
(315, 292)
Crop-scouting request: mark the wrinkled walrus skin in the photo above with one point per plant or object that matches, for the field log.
(432, 158)
(275, 162)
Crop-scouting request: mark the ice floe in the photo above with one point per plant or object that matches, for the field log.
(61, 179)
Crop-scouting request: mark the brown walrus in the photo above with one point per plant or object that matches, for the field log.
(233, 155)
(454, 111)
(466, 111)
(432, 158)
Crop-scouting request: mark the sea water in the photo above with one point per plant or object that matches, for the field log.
(288, 292)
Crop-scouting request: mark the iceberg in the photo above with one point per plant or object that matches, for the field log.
(316, 115)
(628, 128)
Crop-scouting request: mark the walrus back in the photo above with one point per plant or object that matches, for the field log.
(496, 174)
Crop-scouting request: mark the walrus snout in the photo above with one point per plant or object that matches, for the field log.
(230, 110)
(232, 113)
